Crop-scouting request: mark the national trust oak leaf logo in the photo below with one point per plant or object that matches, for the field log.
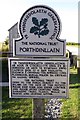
(40, 28)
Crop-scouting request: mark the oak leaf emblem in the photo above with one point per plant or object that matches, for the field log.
(39, 28)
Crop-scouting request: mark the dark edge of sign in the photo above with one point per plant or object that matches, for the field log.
(68, 65)
(36, 96)
(11, 80)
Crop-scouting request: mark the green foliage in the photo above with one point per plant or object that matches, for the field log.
(6, 42)
(5, 45)
(40, 28)
(13, 109)
(71, 107)
(73, 44)
(5, 48)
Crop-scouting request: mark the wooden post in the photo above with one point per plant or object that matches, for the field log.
(38, 109)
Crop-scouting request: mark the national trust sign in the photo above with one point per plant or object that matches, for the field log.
(39, 28)
(35, 76)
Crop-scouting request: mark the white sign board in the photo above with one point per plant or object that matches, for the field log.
(31, 78)
(39, 28)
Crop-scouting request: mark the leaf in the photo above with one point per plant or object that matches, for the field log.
(36, 33)
(34, 29)
(40, 27)
(43, 21)
(44, 32)
(35, 21)
(45, 26)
